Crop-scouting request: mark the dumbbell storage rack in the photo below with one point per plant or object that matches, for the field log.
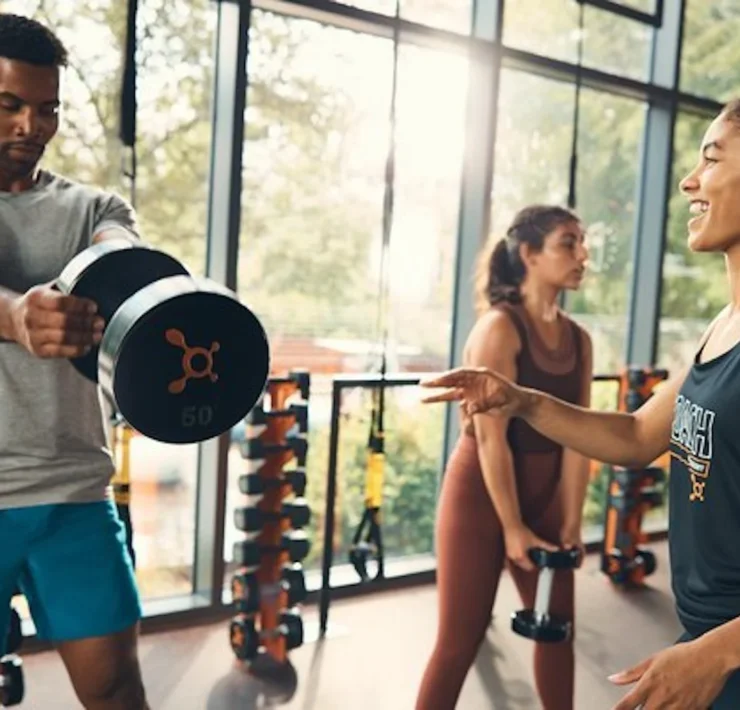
(269, 584)
(631, 493)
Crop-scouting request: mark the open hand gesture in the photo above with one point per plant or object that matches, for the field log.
(479, 390)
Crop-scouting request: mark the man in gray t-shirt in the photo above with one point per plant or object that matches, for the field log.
(63, 543)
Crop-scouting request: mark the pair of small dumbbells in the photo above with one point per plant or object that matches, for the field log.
(247, 592)
(249, 519)
(249, 553)
(538, 624)
(12, 688)
(246, 639)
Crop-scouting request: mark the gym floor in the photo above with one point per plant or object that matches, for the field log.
(376, 651)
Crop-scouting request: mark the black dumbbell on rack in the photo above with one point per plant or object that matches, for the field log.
(249, 519)
(12, 686)
(538, 624)
(299, 411)
(253, 484)
(247, 591)
(622, 569)
(301, 378)
(248, 553)
(246, 639)
(256, 449)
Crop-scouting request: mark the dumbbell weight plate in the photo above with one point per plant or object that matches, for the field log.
(647, 560)
(14, 689)
(297, 591)
(245, 592)
(249, 519)
(294, 625)
(184, 360)
(297, 545)
(247, 553)
(558, 559)
(244, 639)
(551, 630)
(108, 273)
(298, 512)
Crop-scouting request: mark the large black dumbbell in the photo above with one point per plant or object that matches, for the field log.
(538, 624)
(12, 687)
(258, 416)
(252, 484)
(246, 640)
(108, 273)
(181, 358)
(256, 449)
(248, 553)
(251, 519)
(247, 591)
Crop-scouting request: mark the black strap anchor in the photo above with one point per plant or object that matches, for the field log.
(367, 543)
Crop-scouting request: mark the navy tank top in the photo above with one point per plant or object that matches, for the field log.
(704, 494)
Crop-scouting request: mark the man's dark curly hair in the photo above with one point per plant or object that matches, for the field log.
(27, 40)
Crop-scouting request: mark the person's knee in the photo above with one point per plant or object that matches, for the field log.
(120, 686)
(460, 648)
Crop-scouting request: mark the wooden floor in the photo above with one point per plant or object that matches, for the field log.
(377, 650)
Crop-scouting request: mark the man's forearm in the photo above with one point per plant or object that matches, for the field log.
(116, 231)
(605, 436)
(7, 299)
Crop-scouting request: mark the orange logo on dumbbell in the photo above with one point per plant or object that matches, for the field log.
(176, 337)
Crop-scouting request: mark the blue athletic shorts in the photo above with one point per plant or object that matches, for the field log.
(72, 564)
(729, 698)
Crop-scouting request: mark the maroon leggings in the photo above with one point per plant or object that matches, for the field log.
(470, 558)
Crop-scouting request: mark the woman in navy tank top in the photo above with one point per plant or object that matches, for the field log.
(693, 416)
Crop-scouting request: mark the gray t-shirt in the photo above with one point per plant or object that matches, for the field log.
(54, 446)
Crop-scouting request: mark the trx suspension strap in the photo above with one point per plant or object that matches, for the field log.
(122, 432)
(573, 169)
(128, 99)
(573, 174)
(122, 435)
(371, 545)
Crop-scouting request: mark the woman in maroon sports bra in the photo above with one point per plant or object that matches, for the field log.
(506, 487)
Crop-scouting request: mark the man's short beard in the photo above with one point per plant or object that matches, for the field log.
(14, 169)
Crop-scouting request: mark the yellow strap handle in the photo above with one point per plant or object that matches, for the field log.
(374, 480)
(121, 479)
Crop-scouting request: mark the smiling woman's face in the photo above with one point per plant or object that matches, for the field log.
(713, 188)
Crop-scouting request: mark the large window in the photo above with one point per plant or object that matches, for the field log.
(532, 163)
(694, 285)
(710, 52)
(611, 43)
(451, 15)
(175, 61)
(314, 164)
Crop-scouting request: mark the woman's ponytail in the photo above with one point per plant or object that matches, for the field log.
(496, 278)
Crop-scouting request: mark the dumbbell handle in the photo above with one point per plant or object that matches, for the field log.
(542, 598)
